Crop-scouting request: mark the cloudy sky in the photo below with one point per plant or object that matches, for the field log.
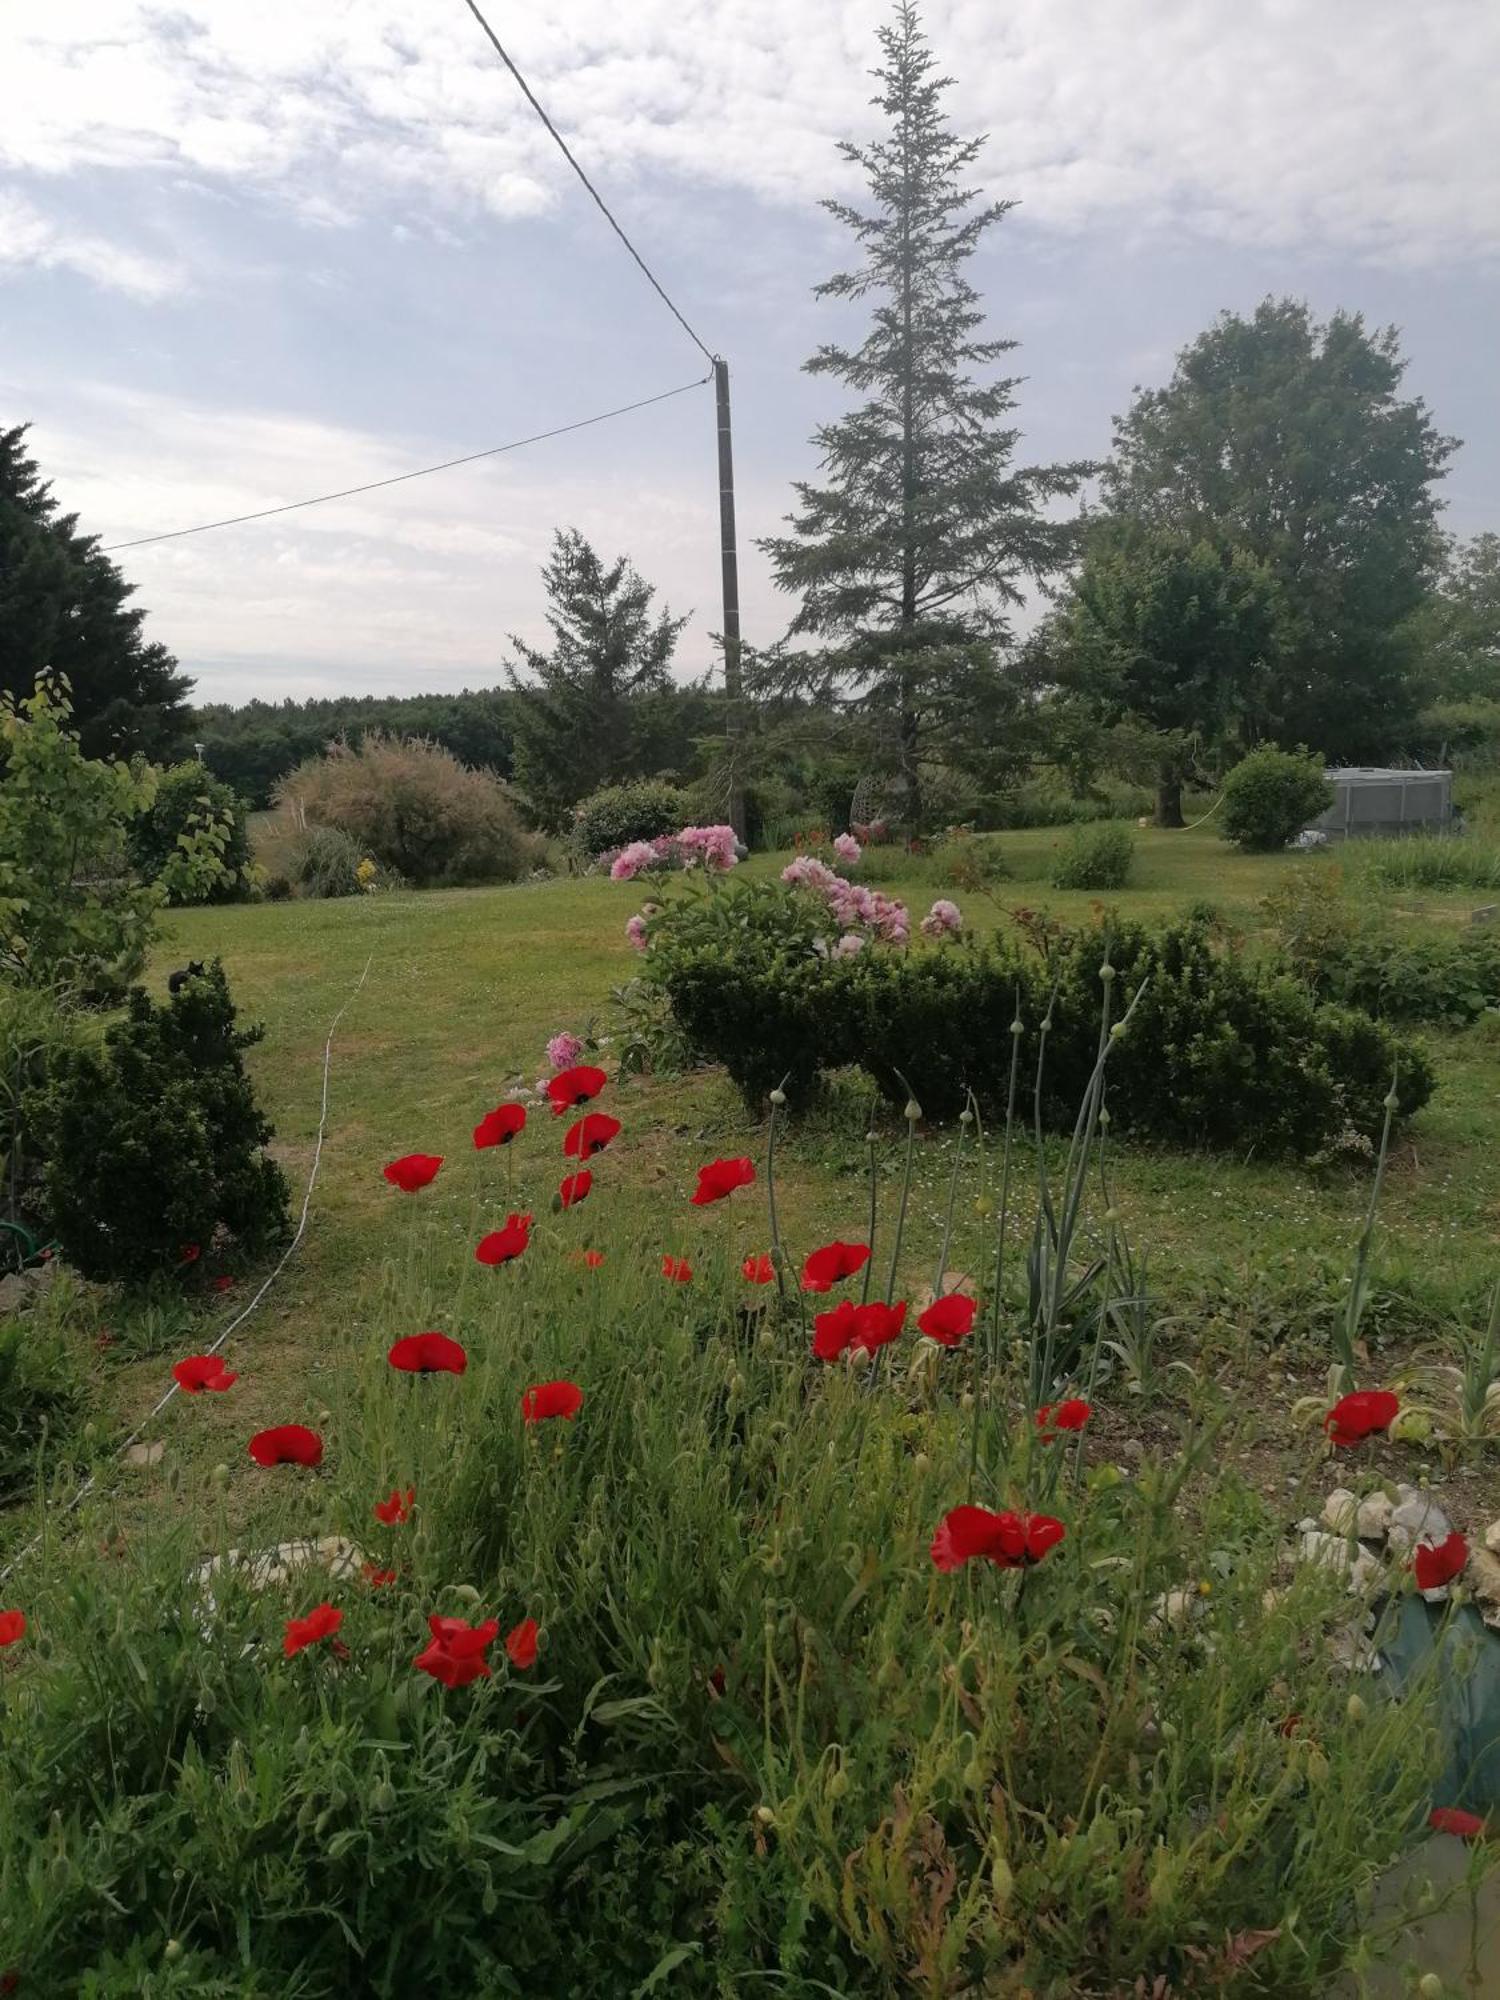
(254, 252)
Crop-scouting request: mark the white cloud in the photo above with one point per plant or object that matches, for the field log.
(31, 240)
(1366, 125)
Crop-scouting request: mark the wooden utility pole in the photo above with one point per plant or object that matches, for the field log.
(729, 552)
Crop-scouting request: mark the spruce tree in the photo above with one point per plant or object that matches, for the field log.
(64, 608)
(924, 530)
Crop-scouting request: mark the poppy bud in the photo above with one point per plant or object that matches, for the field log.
(765, 1340)
(778, 1096)
(466, 1592)
(1355, 1709)
(736, 1386)
(838, 1783)
(913, 1111)
(974, 1775)
(325, 1418)
(172, 1951)
(1002, 1882)
(922, 1462)
(764, 1816)
(966, 1400)
(983, 1206)
(220, 1476)
(90, 1432)
(1431, 1987)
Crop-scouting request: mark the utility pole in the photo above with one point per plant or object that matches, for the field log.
(729, 552)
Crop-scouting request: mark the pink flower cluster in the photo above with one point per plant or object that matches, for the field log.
(564, 1050)
(634, 859)
(944, 919)
(635, 930)
(848, 850)
(854, 908)
(715, 847)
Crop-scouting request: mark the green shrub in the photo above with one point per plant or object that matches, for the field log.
(42, 1393)
(155, 1141)
(194, 838)
(1270, 796)
(326, 863)
(1428, 861)
(1096, 857)
(416, 810)
(1219, 1053)
(617, 814)
(1398, 975)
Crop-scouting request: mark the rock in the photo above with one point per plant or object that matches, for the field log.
(1492, 1538)
(1332, 1552)
(1175, 1607)
(1483, 1576)
(145, 1454)
(1417, 1518)
(1374, 1517)
(1340, 1510)
(268, 1568)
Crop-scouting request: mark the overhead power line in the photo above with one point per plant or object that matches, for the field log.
(399, 478)
(562, 146)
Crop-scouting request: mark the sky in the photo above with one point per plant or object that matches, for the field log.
(252, 253)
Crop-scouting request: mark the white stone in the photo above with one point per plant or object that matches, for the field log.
(1492, 1538)
(1340, 1510)
(1418, 1519)
(1332, 1552)
(1374, 1517)
(145, 1454)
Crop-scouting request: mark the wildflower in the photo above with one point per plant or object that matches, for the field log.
(1438, 1563)
(320, 1623)
(551, 1399)
(520, 1644)
(1011, 1541)
(850, 945)
(412, 1171)
(375, 1577)
(223, 1283)
(1052, 1419)
(850, 1326)
(631, 860)
(1453, 1819)
(720, 1178)
(715, 846)
(501, 1246)
(592, 1258)
(807, 872)
(759, 1270)
(12, 1627)
(201, 1371)
(398, 1508)
(575, 1188)
(428, 1354)
(590, 1135)
(847, 848)
(287, 1444)
(944, 919)
(1359, 1415)
(575, 1086)
(825, 1268)
(564, 1050)
(948, 1319)
(678, 1269)
(189, 1253)
(455, 1654)
(635, 931)
(500, 1126)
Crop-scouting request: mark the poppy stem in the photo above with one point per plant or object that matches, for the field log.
(1354, 1308)
(778, 1098)
(966, 1119)
(913, 1113)
(870, 1141)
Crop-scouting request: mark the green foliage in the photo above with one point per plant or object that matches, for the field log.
(1219, 1053)
(326, 863)
(72, 917)
(617, 814)
(415, 810)
(1289, 440)
(193, 838)
(34, 1031)
(1270, 796)
(42, 1393)
(1400, 975)
(1429, 861)
(64, 613)
(1100, 856)
(155, 1142)
(1457, 632)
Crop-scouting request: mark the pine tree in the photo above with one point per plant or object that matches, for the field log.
(63, 607)
(925, 530)
(580, 722)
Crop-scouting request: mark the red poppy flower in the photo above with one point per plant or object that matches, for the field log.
(590, 1135)
(720, 1178)
(574, 1086)
(320, 1623)
(593, 1258)
(412, 1171)
(678, 1269)
(397, 1508)
(190, 1253)
(502, 1245)
(428, 1354)
(223, 1283)
(1361, 1414)
(759, 1270)
(1011, 1541)
(455, 1655)
(575, 1188)
(520, 1644)
(12, 1627)
(375, 1577)
(287, 1444)
(1438, 1563)
(200, 1372)
(948, 1319)
(848, 1325)
(1052, 1419)
(551, 1399)
(1454, 1820)
(829, 1266)
(500, 1126)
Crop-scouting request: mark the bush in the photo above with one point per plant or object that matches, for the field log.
(327, 863)
(416, 810)
(617, 814)
(34, 1033)
(1429, 861)
(1270, 796)
(41, 1393)
(1096, 857)
(194, 838)
(1400, 976)
(155, 1141)
(1218, 1054)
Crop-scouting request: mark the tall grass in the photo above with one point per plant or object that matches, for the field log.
(1427, 861)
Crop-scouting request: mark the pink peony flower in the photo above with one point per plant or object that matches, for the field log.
(630, 860)
(848, 849)
(944, 919)
(564, 1050)
(635, 930)
(849, 944)
(715, 846)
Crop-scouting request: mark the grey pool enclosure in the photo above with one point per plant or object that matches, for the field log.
(1370, 804)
